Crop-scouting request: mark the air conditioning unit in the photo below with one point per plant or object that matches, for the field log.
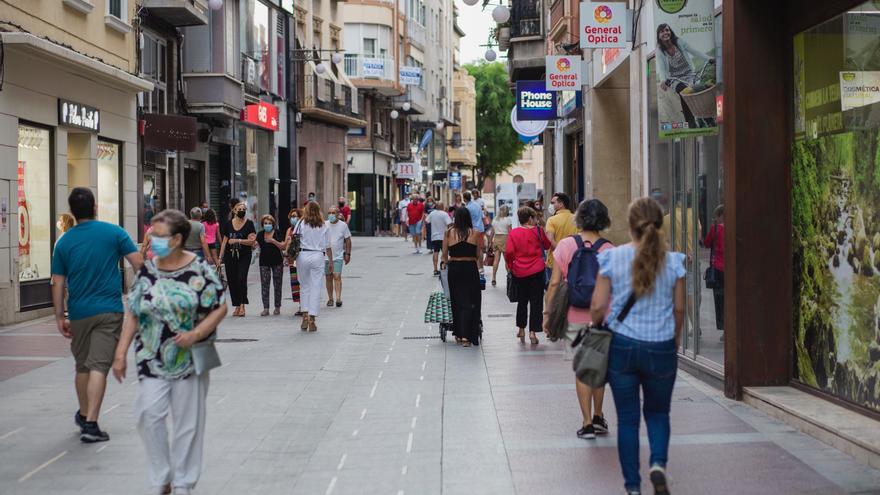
(377, 128)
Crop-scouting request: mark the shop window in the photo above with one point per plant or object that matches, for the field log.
(255, 29)
(109, 177)
(835, 201)
(35, 222)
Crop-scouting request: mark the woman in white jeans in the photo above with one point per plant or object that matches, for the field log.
(314, 238)
(176, 301)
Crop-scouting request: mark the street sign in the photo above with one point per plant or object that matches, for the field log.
(603, 25)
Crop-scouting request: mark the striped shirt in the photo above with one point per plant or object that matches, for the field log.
(650, 318)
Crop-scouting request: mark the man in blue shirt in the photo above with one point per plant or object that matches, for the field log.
(476, 212)
(86, 261)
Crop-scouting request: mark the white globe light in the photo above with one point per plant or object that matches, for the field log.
(215, 4)
(439, 126)
(491, 55)
(406, 106)
(320, 69)
(471, 2)
(336, 58)
(394, 114)
(501, 14)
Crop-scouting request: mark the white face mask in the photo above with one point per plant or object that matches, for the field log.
(551, 209)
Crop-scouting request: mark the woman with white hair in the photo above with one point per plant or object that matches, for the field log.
(196, 241)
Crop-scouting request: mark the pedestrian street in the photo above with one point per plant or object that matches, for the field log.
(375, 403)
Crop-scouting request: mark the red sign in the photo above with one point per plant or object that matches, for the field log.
(719, 108)
(262, 114)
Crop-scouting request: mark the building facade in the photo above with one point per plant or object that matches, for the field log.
(68, 102)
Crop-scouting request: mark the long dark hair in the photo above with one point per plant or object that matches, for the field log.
(461, 223)
(673, 39)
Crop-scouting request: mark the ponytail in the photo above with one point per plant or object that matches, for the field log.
(645, 221)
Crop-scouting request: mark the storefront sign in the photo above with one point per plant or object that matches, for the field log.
(407, 170)
(410, 76)
(526, 127)
(262, 114)
(686, 71)
(569, 101)
(77, 115)
(563, 73)
(859, 89)
(603, 25)
(373, 67)
(455, 181)
(534, 102)
(169, 132)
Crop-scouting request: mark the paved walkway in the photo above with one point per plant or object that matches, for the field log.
(374, 404)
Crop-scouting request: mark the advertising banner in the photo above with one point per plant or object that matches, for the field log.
(563, 73)
(455, 181)
(534, 102)
(373, 67)
(859, 89)
(686, 71)
(603, 25)
(410, 76)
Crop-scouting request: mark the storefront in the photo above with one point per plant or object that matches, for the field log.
(71, 122)
(255, 174)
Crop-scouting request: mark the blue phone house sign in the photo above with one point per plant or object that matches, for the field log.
(534, 102)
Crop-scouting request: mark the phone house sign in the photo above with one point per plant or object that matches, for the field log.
(534, 102)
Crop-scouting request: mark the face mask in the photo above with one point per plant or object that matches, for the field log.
(268, 227)
(294, 221)
(311, 198)
(160, 246)
(332, 218)
(551, 209)
(240, 213)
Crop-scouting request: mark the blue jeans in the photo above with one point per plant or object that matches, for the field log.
(651, 366)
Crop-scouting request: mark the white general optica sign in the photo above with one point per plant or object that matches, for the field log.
(563, 73)
(603, 25)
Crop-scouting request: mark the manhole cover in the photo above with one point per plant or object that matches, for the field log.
(234, 341)
(419, 273)
(365, 334)
(500, 315)
(422, 337)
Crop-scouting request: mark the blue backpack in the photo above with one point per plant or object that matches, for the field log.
(582, 272)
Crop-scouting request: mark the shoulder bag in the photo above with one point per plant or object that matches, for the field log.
(204, 355)
(295, 245)
(590, 363)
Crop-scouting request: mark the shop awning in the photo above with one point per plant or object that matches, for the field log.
(75, 62)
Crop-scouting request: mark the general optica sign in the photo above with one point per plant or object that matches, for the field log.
(534, 102)
(563, 73)
(603, 25)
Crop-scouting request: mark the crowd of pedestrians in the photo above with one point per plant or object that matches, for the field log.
(560, 268)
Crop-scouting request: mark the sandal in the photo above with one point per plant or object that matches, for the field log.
(305, 324)
(330, 303)
(494, 283)
(339, 303)
(533, 338)
(521, 335)
(312, 326)
(466, 343)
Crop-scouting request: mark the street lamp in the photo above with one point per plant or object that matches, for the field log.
(406, 106)
(336, 58)
(394, 114)
(501, 14)
(439, 126)
(320, 69)
(471, 2)
(215, 4)
(491, 55)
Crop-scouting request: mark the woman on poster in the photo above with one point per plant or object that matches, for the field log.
(675, 67)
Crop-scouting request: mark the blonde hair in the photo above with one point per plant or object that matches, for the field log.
(67, 221)
(270, 218)
(645, 222)
(312, 214)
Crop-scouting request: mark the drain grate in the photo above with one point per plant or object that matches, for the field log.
(500, 315)
(365, 334)
(235, 341)
(422, 337)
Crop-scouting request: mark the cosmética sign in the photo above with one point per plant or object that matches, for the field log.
(563, 73)
(603, 25)
(534, 102)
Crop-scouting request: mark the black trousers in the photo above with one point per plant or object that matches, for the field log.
(237, 276)
(530, 292)
(718, 295)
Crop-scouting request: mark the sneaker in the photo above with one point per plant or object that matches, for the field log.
(587, 432)
(436, 273)
(80, 420)
(91, 433)
(633, 492)
(658, 479)
(600, 425)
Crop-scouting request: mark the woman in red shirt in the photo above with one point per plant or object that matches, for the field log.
(525, 257)
(715, 241)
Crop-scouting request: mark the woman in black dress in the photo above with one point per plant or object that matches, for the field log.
(239, 238)
(460, 257)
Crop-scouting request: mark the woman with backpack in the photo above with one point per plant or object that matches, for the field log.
(524, 255)
(591, 218)
(645, 288)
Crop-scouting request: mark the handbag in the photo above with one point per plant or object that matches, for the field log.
(512, 290)
(714, 278)
(295, 245)
(490, 257)
(557, 314)
(205, 356)
(590, 363)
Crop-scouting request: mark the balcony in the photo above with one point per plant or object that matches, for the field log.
(373, 73)
(213, 95)
(416, 33)
(179, 12)
(525, 19)
(557, 13)
(418, 99)
(330, 101)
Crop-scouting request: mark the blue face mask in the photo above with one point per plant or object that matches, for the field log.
(332, 218)
(160, 247)
(268, 227)
(294, 221)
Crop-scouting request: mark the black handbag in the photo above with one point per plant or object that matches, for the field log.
(512, 291)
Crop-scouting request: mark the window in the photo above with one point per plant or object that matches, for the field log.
(153, 67)
(109, 165)
(116, 8)
(255, 29)
(34, 197)
(370, 47)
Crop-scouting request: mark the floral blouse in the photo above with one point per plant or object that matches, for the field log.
(165, 303)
